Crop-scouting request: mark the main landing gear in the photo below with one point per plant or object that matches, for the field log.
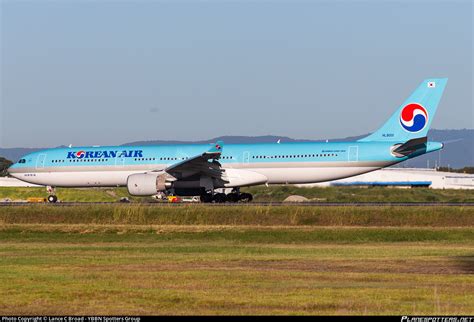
(234, 196)
(52, 198)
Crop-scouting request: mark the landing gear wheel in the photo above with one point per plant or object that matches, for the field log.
(206, 198)
(233, 197)
(220, 198)
(245, 197)
(52, 198)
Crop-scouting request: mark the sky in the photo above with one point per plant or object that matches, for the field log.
(110, 72)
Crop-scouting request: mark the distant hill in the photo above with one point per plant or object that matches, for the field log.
(457, 153)
(240, 139)
(14, 154)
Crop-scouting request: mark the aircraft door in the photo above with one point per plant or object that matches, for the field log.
(246, 157)
(119, 161)
(40, 161)
(353, 154)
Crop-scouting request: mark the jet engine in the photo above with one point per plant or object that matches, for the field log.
(148, 184)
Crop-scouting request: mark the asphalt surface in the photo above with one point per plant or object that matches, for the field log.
(305, 204)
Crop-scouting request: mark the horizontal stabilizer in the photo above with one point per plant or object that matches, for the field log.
(410, 147)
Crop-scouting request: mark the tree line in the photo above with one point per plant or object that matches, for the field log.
(462, 170)
(4, 164)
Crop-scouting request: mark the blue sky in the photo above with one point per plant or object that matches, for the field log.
(110, 72)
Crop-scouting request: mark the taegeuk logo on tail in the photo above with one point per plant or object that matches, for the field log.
(413, 117)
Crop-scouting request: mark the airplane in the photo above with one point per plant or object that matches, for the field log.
(204, 170)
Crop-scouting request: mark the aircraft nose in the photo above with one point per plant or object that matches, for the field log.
(12, 169)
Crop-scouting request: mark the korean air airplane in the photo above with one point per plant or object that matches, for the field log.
(199, 169)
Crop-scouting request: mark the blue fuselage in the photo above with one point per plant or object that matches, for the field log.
(279, 162)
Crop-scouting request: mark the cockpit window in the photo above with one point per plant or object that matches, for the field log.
(22, 161)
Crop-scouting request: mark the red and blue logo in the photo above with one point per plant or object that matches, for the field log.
(80, 154)
(413, 117)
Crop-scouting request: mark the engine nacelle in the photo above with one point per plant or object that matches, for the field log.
(147, 184)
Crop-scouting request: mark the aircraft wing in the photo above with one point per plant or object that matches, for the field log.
(205, 163)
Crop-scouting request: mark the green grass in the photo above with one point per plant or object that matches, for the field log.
(67, 194)
(238, 235)
(441, 216)
(196, 259)
(357, 194)
(294, 215)
(267, 271)
(262, 193)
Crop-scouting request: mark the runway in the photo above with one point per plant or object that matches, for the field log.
(265, 204)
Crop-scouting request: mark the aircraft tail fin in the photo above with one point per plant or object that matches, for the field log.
(216, 150)
(413, 118)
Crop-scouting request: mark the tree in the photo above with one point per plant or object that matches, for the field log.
(4, 165)
(469, 170)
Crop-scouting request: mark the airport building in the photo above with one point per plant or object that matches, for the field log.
(409, 178)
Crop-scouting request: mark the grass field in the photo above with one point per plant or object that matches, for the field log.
(134, 259)
(262, 193)
(360, 194)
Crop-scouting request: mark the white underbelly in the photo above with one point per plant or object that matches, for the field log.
(78, 178)
(275, 175)
(310, 175)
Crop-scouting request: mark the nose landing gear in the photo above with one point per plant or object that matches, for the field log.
(52, 198)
